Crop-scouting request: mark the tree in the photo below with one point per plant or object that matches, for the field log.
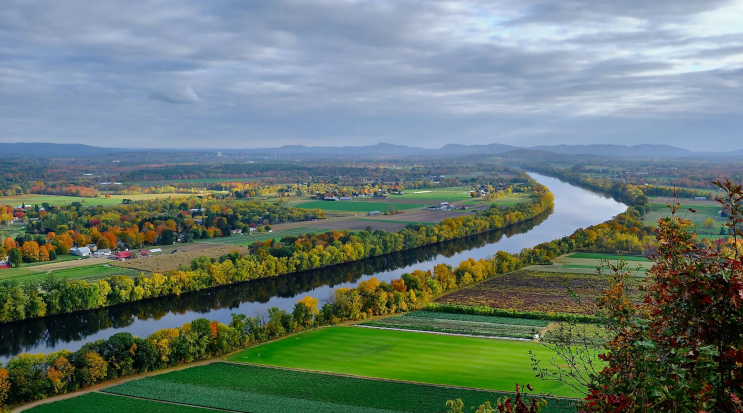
(15, 257)
(709, 223)
(167, 237)
(681, 347)
(30, 251)
(4, 387)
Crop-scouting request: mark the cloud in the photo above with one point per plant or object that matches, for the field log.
(173, 94)
(423, 72)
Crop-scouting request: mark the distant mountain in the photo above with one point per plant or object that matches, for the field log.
(54, 149)
(662, 151)
(384, 149)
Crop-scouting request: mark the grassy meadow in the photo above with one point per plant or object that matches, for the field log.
(408, 356)
(86, 201)
(356, 206)
(82, 272)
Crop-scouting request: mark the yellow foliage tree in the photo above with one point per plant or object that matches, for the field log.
(310, 303)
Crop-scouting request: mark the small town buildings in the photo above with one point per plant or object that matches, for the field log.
(80, 252)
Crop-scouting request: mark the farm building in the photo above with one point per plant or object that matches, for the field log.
(122, 255)
(345, 198)
(330, 198)
(236, 231)
(103, 252)
(374, 213)
(700, 198)
(144, 253)
(80, 252)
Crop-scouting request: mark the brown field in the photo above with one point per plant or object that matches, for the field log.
(167, 262)
(531, 291)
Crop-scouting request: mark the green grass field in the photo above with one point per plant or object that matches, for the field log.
(511, 200)
(256, 389)
(356, 206)
(611, 257)
(262, 236)
(420, 357)
(64, 200)
(435, 194)
(88, 273)
(105, 403)
(658, 211)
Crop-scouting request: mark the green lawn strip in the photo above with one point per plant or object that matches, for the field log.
(464, 324)
(88, 273)
(480, 363)
(611, 257)
(258, 389)
(352, 206)
(105, 403)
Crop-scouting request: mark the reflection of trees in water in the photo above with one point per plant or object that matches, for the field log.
(19, 336)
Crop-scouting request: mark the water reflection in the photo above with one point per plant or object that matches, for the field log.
(574, 208)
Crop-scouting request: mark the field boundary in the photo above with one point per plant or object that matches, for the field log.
(445, 334)
(353, 376)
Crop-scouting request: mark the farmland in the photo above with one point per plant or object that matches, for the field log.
(167, 262)
(257, 389)
(704, 210)
(86, 201)
(357, 206)
(530, 291)
(586, 263)
(380, 353)
(104, 403)
(465, 324)
(263, 236)
(85, 272)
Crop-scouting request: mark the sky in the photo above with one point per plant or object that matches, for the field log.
(267, 73)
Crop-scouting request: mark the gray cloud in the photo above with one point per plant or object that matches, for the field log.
(267, 73)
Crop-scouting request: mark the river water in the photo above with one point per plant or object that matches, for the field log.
(574, 208)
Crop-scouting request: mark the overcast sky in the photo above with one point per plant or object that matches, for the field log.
(255, 73)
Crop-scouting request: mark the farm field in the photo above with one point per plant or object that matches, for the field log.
(86, 272)
(530, 291)
(257, 389)
(452, 194)
(104, 403)
(511, 200)
(409, 356)
(586, 263)
(705, 209)
(262, 236)
(63, 200)
(357, 206)
(464, 324)
(167, 262)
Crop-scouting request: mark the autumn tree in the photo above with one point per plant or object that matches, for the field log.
(681, 347)
(4, 387)
(709, 223)
(30, 251)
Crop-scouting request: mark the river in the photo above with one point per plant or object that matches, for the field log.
(574, 208)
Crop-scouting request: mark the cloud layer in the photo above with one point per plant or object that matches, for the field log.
(259, 73)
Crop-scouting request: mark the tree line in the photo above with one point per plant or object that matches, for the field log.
(19, 302)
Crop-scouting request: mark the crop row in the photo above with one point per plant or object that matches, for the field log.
(261, 389)
(103, 403)
(475, 328)
(500, 312)
(478, 318)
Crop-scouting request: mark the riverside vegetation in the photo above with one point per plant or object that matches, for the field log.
(19, 302)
